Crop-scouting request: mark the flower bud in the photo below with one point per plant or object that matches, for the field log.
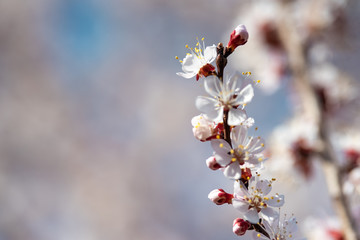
(220, 197)
(212, 163)
(240, 226)
(238, 37)
(203, 129)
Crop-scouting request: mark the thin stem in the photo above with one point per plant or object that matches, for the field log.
(226, 127)
(221, 62)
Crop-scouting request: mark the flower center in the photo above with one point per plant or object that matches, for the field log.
(256, 202)
(238, 156)
(227, 99)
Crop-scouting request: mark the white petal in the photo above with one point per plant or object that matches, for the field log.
(245, 96)
(186, 75)
(248, 122)
(210, 53)
(236, 116)
(191, 64)
(252, 216)
(222, 148)
(276, 201)
(233, 171)
(209, 106)
(241, 81)
(291, 225)
(264, 185)
(231, 83)
(236, 82)
(256, 145)
(269, 214)
(239, 135)
(240, 189)
(254, 159)
(240, 205)
(222, 160)
(212, 85)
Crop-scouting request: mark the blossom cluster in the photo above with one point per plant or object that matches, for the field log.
(237, 152)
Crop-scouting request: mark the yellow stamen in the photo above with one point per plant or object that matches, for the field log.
(221, 145)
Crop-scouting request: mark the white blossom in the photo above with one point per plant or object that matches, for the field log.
(245, 152)
(231, 95)
(253, 202)
(197, 63)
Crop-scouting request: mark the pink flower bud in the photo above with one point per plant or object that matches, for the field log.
(220, 197)
(203, 129)
(240, 226)
(212, 163)
(238, 37)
